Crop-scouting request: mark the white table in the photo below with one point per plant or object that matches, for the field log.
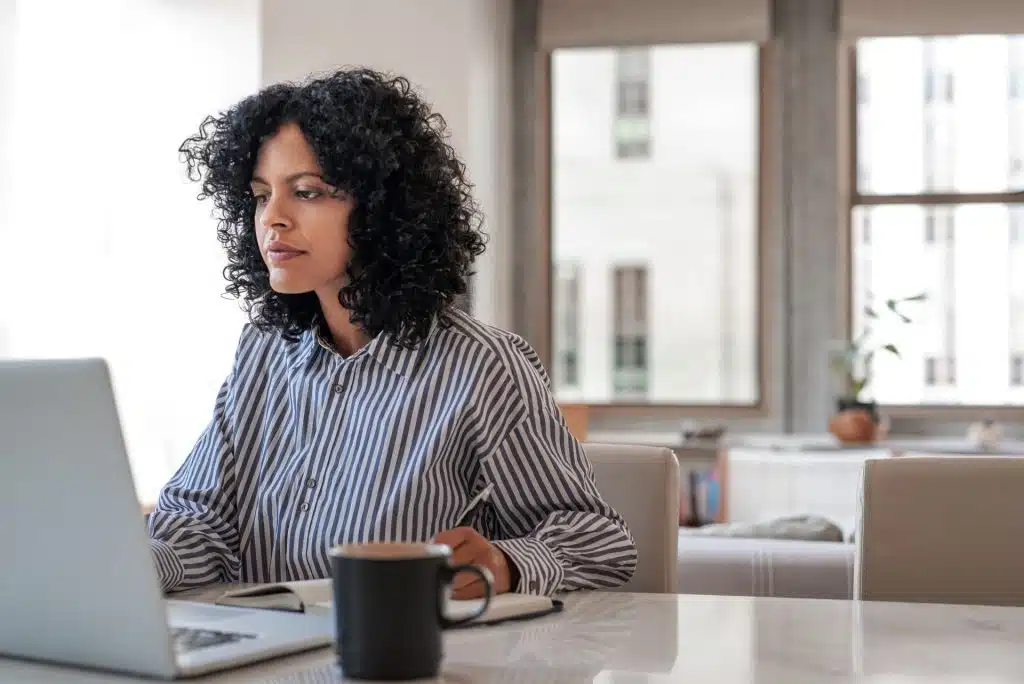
(609, 638)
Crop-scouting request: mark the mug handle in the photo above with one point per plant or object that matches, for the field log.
(448, 574)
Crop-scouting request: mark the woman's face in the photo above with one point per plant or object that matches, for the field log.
(301, 221)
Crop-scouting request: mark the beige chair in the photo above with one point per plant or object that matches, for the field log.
(942, 530)
(642, 484)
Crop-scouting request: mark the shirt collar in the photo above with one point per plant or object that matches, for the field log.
(400, 360)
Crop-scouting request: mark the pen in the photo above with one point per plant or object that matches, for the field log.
(480, 499)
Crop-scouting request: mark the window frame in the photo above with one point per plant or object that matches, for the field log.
(541, 315)
(852, 197)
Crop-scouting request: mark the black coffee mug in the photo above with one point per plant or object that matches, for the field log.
(389, 604)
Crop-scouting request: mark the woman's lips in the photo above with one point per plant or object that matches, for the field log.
(280, 255)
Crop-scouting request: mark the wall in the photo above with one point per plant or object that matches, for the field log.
(808, 93)
(104, 93)
(91, 120)
(458, 53)
(7, 27)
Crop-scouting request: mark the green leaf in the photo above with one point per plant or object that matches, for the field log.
(919, 297)
(891, 348)
(892, 304)
(869, 312)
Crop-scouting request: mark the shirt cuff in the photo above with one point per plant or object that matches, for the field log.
(168, 568)
(539, 569)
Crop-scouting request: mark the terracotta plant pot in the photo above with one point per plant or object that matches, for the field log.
(855, 422)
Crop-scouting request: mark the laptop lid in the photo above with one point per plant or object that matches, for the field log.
(79, 585)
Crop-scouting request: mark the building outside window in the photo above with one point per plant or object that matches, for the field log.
(633, 113)
(630, 369)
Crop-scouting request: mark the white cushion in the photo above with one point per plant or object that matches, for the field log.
(764, 567)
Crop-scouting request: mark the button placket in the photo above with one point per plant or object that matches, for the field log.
(338, 386)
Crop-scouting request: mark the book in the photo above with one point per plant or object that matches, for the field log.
(317, 596)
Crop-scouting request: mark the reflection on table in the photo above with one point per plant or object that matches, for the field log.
(617, 638)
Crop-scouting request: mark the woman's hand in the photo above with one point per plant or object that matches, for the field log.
(470, 548)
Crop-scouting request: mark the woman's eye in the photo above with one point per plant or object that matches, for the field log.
(307, 194)
(260, 200)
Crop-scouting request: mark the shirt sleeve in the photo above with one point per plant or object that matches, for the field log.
(560, 534)
(193, 529)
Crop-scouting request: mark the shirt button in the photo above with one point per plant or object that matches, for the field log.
(304, 507)
(338, 389)
(311, 483)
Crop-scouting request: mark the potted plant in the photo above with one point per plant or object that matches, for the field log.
(857, 418)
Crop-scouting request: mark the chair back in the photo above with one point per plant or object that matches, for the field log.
(938, 529)
(642, 484)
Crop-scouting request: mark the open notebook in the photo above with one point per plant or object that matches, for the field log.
(315, 595)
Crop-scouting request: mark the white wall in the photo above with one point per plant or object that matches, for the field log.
(116, 257)
(7, 26)
(99, 98)
(458, 53)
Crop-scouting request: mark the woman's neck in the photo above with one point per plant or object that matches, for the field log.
(347, 337)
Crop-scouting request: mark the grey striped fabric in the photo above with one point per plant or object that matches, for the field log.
(307, 449)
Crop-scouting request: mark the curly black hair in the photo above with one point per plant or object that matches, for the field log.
(415, 228)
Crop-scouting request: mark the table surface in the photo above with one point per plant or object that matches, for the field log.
(619, 638)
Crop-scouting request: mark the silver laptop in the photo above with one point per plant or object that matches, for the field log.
(78, 585)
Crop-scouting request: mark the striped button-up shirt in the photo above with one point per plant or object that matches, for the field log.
(307, 449)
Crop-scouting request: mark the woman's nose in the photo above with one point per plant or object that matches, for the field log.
(275, 214)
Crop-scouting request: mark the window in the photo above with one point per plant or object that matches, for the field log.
(863, 155)
(938, 123)
(1015, 112)
(633, 119)
(938, 78)
(567, 313)
(1016, 219)
(939, 371)
(630, 368)
(691, 219)
(862, 90)
(1017, 370)
(1015, 313)
(1015, 75)
(938, 225)
(942, 207)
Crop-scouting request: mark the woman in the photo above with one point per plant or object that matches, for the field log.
(362, 405)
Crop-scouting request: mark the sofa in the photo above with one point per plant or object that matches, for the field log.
(764, 567)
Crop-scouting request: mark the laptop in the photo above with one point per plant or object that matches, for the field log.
(78, 585)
